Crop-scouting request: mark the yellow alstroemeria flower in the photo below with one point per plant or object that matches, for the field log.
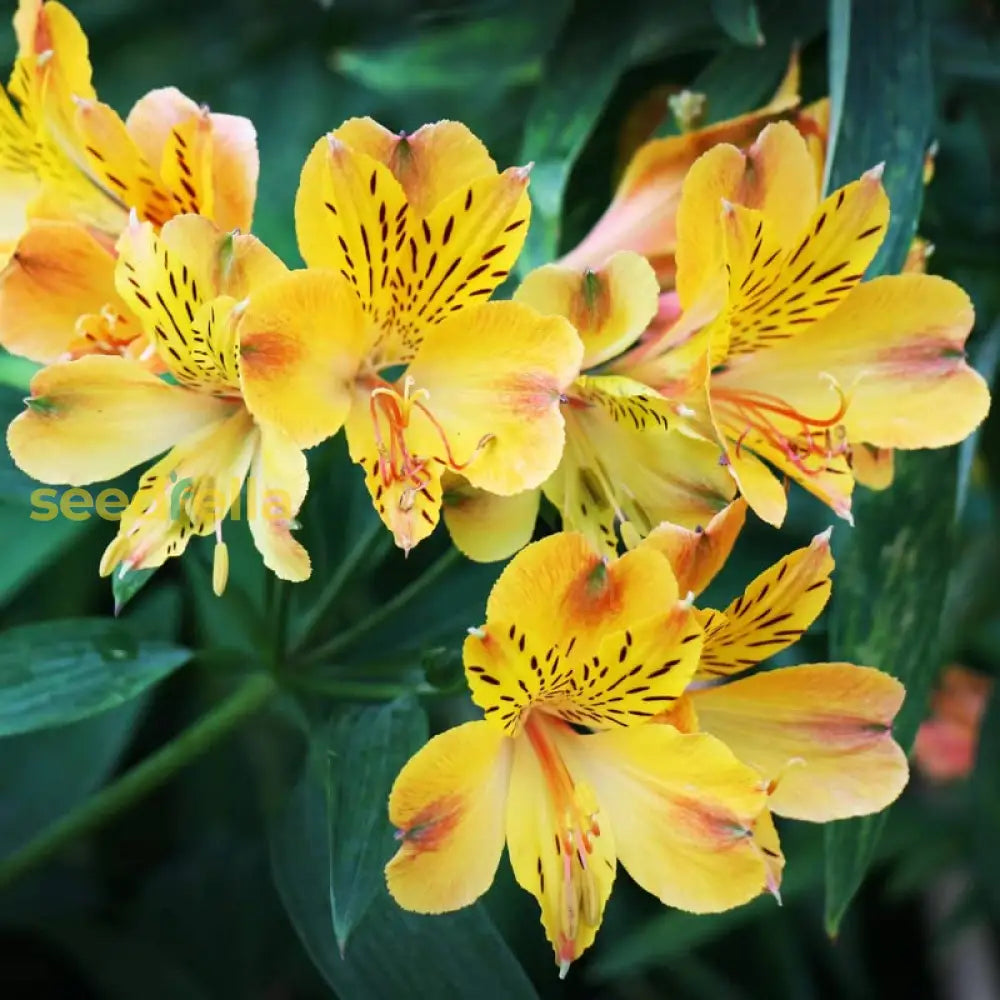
(819, 734)
(627, 464)
(92, 419)
(71, 171)
(642, 216)
(573, 642)
(781, 352)
(406, 237)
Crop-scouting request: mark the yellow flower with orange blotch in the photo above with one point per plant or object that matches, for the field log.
(71, 171)
(406, 237)
(627, 465)
(781, 352)
(576, 658)
(820, 734)
(92, 419)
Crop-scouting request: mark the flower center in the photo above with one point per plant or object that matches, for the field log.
(575, 809)
(807, 442)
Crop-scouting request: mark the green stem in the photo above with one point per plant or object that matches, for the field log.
(366, 545)
(386, 610)
(143, 778)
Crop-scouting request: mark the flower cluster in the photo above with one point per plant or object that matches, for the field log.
(712, 333)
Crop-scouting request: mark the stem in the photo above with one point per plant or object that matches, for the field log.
(143, 778)
(386, 610)
(341, 576)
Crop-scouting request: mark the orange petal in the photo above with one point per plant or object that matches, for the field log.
(233, 163)
(683, 810)
(772, 613)
(448, 804)
(696, 556)
(302, 340)
(486, 527)
(59, 273)
(609, 305)
(822, 733)
(95, 418)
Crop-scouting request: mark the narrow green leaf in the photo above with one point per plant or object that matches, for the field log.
(56, 672)
(985, 798)
(124, 588)
(593, 51)
(458, 956)
(739, 20)
(365, 749)
(892, 569)
(46, 773)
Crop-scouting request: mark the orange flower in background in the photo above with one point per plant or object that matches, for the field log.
(72, 171)
(406, 237)
(642, 216)
(946, 744)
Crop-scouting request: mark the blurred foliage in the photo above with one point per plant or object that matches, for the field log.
(219, 883)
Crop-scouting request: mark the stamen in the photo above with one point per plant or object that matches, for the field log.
(809, 449)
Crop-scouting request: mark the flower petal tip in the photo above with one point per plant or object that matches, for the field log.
(875, 174)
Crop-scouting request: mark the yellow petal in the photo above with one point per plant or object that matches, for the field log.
(449, 803)
(697, 555)
(59, 274)
(778, 288)
(609, 305)
(561, 847)
(772, 613)
(117, 165)
(410, 271)
(894, 347)
(302, 340)
(775, 176)
(430, 164)
(18, 174)
(188, 492)
(95, 418)
(233, 163)
(822, 733)
(600, 645)
(484, 526)
(872, 467)
(493, 377)
(624, 463)
(683, 809)
(175, 283)
(278, 484)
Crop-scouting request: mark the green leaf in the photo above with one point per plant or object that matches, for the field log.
(739, 20)
(986, 805)
(365, 749)
(124, 588)
(458, 956)
(893, 568)
(46, 773)
(594, 50)
(56, 672)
